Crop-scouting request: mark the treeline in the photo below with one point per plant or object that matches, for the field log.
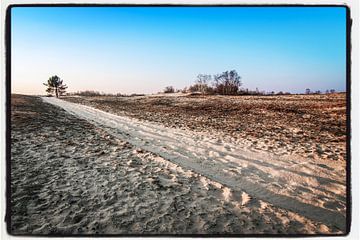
(308, 91)
(227, 83)
(90, 93)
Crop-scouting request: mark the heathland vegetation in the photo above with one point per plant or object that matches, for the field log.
(225, 83)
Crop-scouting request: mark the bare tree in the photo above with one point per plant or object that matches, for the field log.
(202, 81)
(169, 89)
(227, 83)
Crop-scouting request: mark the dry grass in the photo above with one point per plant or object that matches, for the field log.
(313, 126)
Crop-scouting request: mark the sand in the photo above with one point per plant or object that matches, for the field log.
(312, 126)
(70, 176)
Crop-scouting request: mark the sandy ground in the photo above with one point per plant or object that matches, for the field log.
(313, 126)
(71, 176)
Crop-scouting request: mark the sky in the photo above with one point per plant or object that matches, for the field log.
(144, 49)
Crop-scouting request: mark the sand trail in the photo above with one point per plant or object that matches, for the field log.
(300, 185)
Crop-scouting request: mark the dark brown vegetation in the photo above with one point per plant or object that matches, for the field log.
(169, 89)
(91, 93)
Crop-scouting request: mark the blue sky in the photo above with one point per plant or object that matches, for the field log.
(144, 49)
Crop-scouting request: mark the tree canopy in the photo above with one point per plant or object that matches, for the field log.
(55, 84)
(227, 83)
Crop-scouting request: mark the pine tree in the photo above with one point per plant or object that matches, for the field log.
(55, 84)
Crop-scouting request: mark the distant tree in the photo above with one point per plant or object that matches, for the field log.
(55, 84)
(332, 90)
(327, 91)
(201, 88)
(202, 81)
(318, 92)
(169, 89)
(227, 83)
(307, 91)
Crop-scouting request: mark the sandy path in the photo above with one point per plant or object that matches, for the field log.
(310, 188)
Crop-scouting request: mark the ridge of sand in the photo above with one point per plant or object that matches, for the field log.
(289, 182)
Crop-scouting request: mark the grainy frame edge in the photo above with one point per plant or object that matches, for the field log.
(348, 122)
(8, 116)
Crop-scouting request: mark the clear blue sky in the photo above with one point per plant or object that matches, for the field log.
(144, 49)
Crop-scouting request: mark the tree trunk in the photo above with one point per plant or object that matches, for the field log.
(56, 92)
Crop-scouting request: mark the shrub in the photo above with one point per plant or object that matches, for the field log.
(204, 89)
(169, 89)
(227, 83)
(88, 93)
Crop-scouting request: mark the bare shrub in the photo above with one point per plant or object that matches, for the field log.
(227, 83)
(88, 93)
(169, 89)
(203, 89)
(185, 90)
(201, 83)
